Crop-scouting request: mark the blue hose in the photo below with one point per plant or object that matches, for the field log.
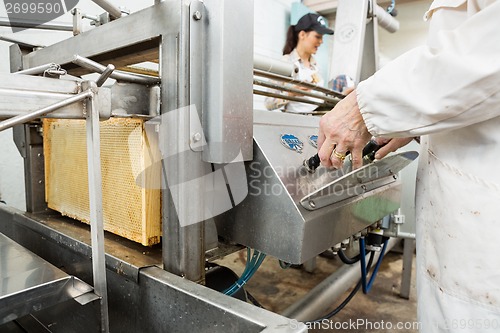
(367, 286)
(253, 263)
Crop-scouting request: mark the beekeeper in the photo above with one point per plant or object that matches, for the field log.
(447, 92)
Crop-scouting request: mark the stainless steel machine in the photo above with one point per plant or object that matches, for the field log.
(224, 166)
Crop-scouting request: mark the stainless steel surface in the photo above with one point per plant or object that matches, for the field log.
(349, 39)
(29, 142)
(117, 75)
(163, 302)
(20, 119)
(29, 283)
(358, 182)
(183, 234)
(271, 218)
(95, 203)
(134, 99)
(36, 92)
(318, 300)
(33, 24)
(41, 84)
(114, 11)
(145, 25)
(273, 65)
(228, 100)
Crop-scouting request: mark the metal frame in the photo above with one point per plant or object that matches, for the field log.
(94, 179)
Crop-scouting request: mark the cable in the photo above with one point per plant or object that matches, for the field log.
(367, 286)
(254, 301)
(284, 265)
(346, 260)
(347, 300)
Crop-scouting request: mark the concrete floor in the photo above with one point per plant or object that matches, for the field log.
(276, 289)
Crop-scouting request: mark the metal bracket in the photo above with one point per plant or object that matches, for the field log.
(399, 219)
(196, 45)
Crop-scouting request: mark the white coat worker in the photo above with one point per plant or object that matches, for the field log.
(447, 92)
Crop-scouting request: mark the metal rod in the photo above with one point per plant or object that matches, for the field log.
(386, 20)
(117, 75)
(289, 98)
(33, 24)
(19, 42)
(105, 75)
(43, 111)
(96, 214)
(287, 79)
(315, 303)
(36, 70)
(273, 65)
(114, 11)
(298, 91)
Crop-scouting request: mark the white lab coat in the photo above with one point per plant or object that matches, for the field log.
(449, 92)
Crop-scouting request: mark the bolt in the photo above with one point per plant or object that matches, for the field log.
(196, 137)
(197, 15)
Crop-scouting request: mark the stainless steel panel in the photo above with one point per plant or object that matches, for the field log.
(130, 98)
(29, 283)
(349, 39)
(144, 25)
(37, 93)
(183, 243)
(228, 98)
(271, 218)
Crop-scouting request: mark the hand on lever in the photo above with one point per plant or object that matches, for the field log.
(390, 145)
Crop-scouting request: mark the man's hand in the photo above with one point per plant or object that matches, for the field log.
(341, 130)
(390, 145)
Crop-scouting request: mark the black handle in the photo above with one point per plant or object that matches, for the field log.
(369, 151)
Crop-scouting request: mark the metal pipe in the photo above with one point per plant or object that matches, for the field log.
(298, 91)
(289, 98)
(117, 75)
(96, 206)
(105, 75)
(43, 111)
(287, 79)
(314, 304)
(36, 70)
(32, 24)
(386, 20)
(273, 65)
(114, 11)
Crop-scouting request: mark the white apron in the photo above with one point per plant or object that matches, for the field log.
(449, 92)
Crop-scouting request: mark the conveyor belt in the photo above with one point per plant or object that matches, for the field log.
(28, 283)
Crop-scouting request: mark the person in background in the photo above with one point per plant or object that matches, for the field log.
(302, 42)
(448, 93)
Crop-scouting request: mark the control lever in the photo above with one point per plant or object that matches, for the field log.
(369, 151)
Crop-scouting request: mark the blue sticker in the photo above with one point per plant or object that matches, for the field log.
(291, 142)
(313, 140)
